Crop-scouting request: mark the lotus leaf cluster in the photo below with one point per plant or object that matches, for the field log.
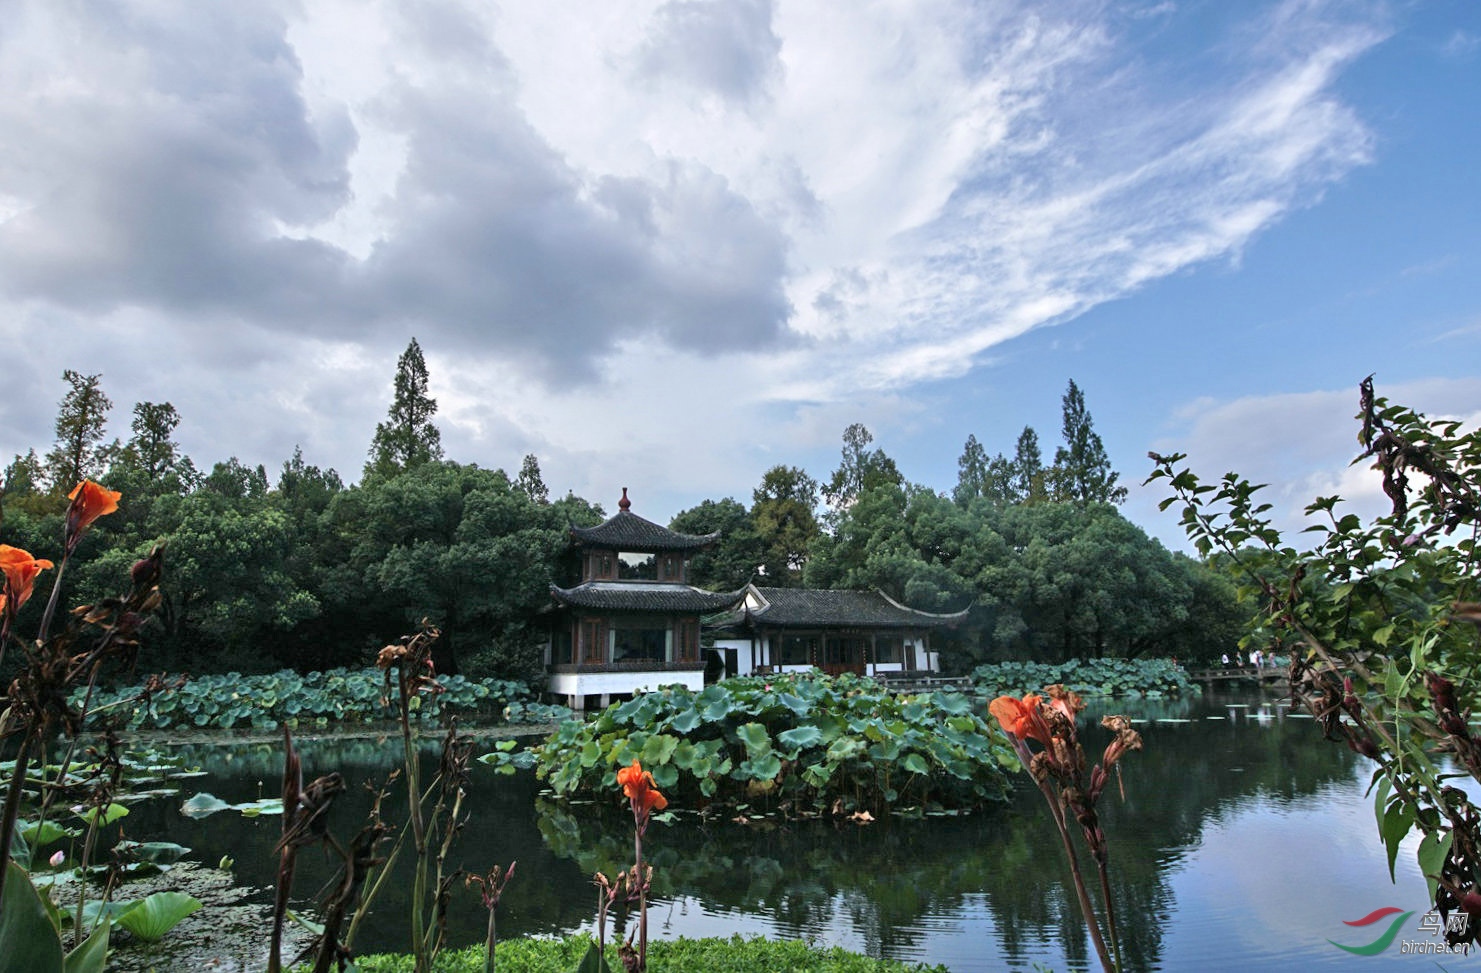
(1150, 678)
(797, 744)
(267, 702)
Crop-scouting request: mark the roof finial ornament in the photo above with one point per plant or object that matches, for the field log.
(624, 504)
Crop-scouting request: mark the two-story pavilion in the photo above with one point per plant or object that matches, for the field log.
(633, 622)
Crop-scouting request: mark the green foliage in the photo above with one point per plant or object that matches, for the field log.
(155, 915)
(1375, 616)
(339, 696)
(1082, 471)
(32, 937)
(782, 510)
(407, 438)
(734, 955)
(795, 743)
(1152, 678)
(82, 417)
(735, 556)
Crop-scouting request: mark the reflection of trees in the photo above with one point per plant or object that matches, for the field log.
(887, 877)
(806, 877)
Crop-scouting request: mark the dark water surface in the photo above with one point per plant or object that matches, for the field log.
(1245, 843)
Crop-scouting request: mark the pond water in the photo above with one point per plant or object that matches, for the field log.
(1245, 842)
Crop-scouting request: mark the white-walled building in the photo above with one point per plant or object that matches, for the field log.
(795, 629)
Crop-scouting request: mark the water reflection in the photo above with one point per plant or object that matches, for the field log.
(1229, 802)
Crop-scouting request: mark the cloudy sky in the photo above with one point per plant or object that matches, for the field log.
(669, 245)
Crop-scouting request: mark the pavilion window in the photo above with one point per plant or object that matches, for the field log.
(798, 650)
(641, 640)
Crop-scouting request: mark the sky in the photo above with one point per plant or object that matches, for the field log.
(666, 246)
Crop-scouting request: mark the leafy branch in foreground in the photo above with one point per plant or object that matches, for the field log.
(1384, 621)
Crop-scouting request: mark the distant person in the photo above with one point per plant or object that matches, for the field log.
(1255, 658)
(1224, 660)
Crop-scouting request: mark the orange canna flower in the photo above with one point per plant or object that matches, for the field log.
(637, 786)
(1021, 718)
(89, 502)
(20, 570)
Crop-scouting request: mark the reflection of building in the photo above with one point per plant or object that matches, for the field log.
(633, 621)
(866, 632)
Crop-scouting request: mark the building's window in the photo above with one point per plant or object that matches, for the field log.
(888, 648)
(637, 567)
(592, 644)
(843, 651)
(640, 641)
(688, 633)
(670, 567)
(797, 650)
(560, 646)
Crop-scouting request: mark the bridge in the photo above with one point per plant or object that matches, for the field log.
(1265, 675)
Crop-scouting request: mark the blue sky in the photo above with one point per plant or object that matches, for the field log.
(668, 245)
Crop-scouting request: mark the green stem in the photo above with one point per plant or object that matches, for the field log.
(13, 807)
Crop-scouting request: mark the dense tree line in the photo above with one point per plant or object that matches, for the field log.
(1051, 568)
(299, 569)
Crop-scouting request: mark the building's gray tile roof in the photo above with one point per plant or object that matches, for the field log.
(645, 596)
(827, 608)
(628, 532)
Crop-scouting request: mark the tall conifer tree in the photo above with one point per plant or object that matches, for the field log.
(407, 438)
(79, 453)
(1082, 471)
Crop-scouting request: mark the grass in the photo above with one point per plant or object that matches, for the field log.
(734, 955)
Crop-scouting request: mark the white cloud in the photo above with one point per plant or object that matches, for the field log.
(726, 224)
(1301, 444)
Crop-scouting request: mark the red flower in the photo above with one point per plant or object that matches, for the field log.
(20, 570)
(89, 502)
(637, 786)
(1021, 717)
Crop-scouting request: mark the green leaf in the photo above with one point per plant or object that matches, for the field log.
(156, 915)
(110, 814)
(658, 749)
(42, 834)
(92, 955)
(154, 852)
(203, 805)
(31, 943)
(800, 737)
(755, 737)
(593, 961)
(1397, 821)
(916, 764)
(685, 722)
(1433, 849)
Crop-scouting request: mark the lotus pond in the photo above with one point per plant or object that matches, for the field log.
(1245, 842)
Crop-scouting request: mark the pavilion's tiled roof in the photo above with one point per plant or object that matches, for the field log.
(809, 607)
(629, 532)
(645, 596)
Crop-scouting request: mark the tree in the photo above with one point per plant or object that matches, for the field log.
(782, 512)
(79, 453)
(860, 469)
(151, 463)
(1027, 479)
(407, 438)
(1082, 472)
(971, 477)
(1383, 626)
(735, 556)
(23, 475)
(530, 483)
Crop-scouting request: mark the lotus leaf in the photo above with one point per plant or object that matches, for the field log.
(152, 917)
